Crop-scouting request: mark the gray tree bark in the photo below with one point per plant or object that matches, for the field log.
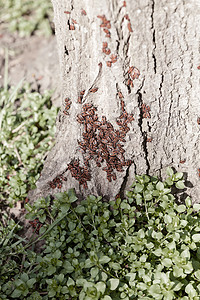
(99, 147)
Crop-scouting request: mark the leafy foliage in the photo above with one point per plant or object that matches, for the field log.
(27, 17)
(145, 246)
(27, 128)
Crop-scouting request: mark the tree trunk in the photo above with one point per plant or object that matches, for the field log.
(134, 59)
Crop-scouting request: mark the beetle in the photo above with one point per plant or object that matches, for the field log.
(83, 12)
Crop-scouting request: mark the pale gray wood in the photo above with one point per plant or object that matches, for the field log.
(164, 46)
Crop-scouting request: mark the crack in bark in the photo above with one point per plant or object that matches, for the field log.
(144, 133)
(154, 39)
(123, 185)
(160, 90)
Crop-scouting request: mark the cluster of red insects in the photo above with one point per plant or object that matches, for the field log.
(101, 142)
(67, 106)
(145, 111)
(36, 225)
(105, 24)
(57, 182)
(105, 49)
(73, 22)
(82, 174)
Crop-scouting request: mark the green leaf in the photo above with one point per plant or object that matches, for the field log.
(197, 275)
(104, 259)
(24, 277)
(188, 202)
(70, 282)
(130, 276)
(106, 298)
(178, 176)
(169, 171)
(169, 181)
(101, 287)
(196, 206)
(94, 272)
(51, 270)
(68, 267)
(196, 237)
(180, 185)
(139, 188)
(160, 186)
(189, 289)
(16, 293)
(167, 262)
(113, 282)
(155, 290)
(31, 282)
(181, 208)
(72, 196)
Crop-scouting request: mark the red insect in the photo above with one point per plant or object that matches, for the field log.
(149, 140)
(109, 63)
(101, 17)
(117, 196)
(124, 3)
(59, 185)
(106, 51)
(198, 121)
(36, 225)
(199, 172)
(94, 90)
(67, 12)
(105, 45)
(130, 82)
(146, 115)
(113, 58)
(198, 67)
(182, 161)
(120, 95)
(83, 12)
(129, 27)
(71, 27)
(74, 21)
(82, 92)
(127, 17)
(106, 31)
(122, 105)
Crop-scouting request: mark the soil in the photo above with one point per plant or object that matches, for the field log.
(35, 59)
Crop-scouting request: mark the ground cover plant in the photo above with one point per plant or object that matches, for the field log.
(27, 17)
(145, 246)
(27, 129)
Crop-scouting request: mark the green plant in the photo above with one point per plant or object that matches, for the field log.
(27, 128)
(27, 17)
(145, 246)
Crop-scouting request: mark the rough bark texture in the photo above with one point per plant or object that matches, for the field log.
(164, 46)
